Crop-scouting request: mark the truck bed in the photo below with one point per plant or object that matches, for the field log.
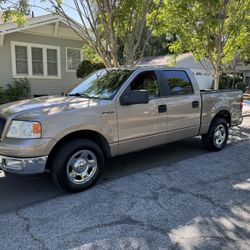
(224, 100)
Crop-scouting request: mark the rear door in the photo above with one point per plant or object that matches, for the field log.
(183, 104)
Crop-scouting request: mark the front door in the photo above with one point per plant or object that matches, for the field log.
(143, 125)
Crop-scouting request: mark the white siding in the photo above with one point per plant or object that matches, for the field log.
(39, 86)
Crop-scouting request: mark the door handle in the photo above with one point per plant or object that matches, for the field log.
(195, 104)
(162, 108)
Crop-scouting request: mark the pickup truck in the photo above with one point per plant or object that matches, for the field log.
(112, 112)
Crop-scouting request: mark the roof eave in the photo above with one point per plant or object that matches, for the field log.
(12, 27)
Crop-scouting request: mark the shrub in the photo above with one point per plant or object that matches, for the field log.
(17, 90)
(241, 85)
(223, 82)
(86, 67)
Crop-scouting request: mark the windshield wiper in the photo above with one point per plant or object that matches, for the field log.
(83, 95)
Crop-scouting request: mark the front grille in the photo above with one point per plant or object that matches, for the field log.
(2, 125)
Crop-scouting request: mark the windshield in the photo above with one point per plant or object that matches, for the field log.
(102, 84)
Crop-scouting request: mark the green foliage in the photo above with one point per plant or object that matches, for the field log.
(241, 85)
(86, 67)
(90, 54)
(18, 90)
(116, 31)
(212, 29)
(157, 46)
(16, 11)
(133, 29)
(224, 82)
(228, 81)
(243, 42)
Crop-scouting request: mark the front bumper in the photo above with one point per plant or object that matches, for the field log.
(23, 166)
(26, 148)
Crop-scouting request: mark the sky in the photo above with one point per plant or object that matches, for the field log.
(40, 8)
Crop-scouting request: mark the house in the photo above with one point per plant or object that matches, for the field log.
(187, 60)
(245, 70)
(44, 50)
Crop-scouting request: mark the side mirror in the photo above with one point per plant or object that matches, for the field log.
(134, 97)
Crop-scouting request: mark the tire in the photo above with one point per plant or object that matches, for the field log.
(77, 165)
(217, 136)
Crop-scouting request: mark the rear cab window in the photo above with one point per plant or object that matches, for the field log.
(178, 82)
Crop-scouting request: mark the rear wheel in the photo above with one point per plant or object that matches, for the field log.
(217, 136)
(77, 165)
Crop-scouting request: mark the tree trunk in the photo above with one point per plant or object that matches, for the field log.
(216, 79)
(233, 83)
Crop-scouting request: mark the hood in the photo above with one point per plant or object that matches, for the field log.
(49, 105)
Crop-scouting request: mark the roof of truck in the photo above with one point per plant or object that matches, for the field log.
(148, 67)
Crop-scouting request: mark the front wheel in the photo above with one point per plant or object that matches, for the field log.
(77, 165)
(217, 136)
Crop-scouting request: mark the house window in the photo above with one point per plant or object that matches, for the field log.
(52, 62)
(74, 58)
(35, 60)
(21, 60)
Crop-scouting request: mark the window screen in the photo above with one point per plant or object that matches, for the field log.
(52, 62)
(73, 58)
(37, 61)
(178, 82)
(21, 60)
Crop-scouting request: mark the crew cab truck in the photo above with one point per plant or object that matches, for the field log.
(112, 112)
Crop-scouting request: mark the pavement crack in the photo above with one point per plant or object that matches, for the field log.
(124, 192)
(203, 197)
(125, 220)
(28, 229)
(153, 178)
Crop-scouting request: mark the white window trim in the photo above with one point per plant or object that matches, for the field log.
(72, 70)
(29, 75)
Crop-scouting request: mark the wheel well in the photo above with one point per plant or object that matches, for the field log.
(225, 115)
(84, 134)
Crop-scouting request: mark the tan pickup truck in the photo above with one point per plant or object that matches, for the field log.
(112, 112)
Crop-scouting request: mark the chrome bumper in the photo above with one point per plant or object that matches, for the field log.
(23, 166)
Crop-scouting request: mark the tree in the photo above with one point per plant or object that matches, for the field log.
(110, 26)
(159, 45)
(209, 29)
(15, 10)
(86, 67)
(112, 30)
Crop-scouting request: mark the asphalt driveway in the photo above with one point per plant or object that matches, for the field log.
(176, 196)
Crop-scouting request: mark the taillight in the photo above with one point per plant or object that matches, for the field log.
(241, 102)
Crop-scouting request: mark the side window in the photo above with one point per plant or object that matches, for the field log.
(146, 81)
(178, 82)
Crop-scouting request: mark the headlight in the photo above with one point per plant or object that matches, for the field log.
(24, 130)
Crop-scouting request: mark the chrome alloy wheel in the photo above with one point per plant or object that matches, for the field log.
(81, 167)
(220, 135)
